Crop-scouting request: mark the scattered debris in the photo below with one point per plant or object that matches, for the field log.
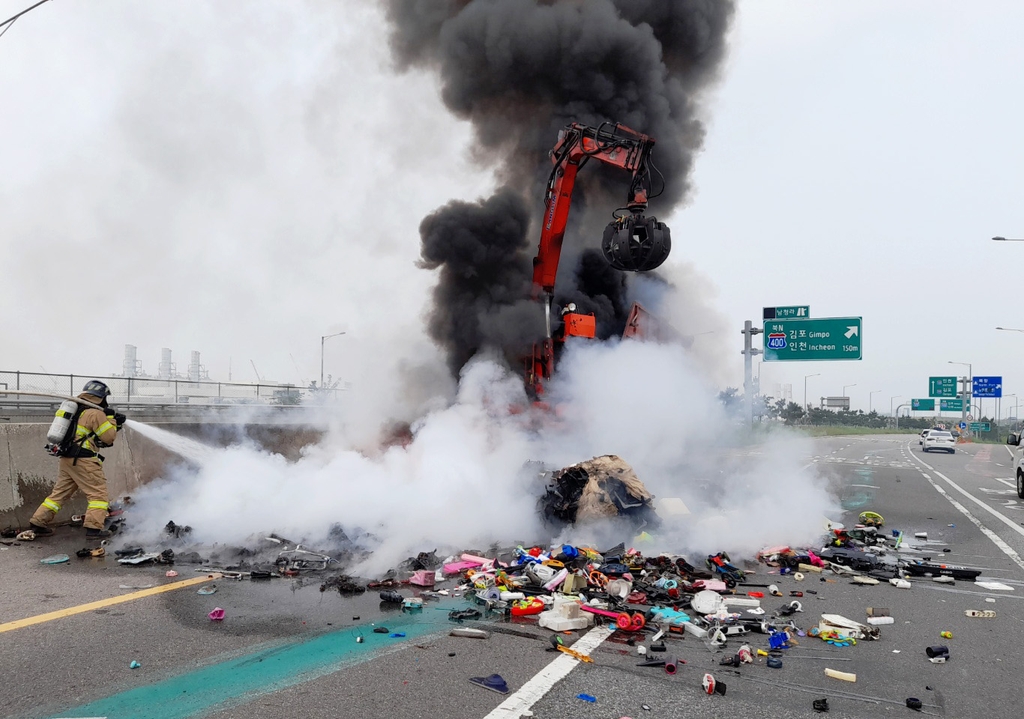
(712, 686)
(468, 633)
(843, 676)
(207, 589)
(134, 664)
(343, 583)
(176, 530)
(494, 682)
(985, 613)
(55, 559)
(599, 488)
(27, 536)
(217, 614)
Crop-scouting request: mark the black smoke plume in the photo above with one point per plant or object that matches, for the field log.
(520, 70)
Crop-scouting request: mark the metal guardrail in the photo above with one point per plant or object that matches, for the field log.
(152, 391)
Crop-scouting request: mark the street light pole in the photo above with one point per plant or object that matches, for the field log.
(844, 391)
(895, 396)
(816, 374)
(1007, 239)
(872, 392)
(323, 339)
(1014, 404)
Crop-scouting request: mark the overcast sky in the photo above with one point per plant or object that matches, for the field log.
(192, 176)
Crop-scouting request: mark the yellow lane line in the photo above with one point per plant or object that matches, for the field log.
(109, 601)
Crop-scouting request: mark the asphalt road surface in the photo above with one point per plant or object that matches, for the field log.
(288, 650)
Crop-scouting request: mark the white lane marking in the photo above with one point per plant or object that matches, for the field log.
(1007, 482)
(1001, 517)
(996, 539)
(1008, 450)
(542, 682)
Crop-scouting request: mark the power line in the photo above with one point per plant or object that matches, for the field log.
(9, 21)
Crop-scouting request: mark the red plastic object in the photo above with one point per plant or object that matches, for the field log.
(527, 607)
(757, 595)
(623, 620)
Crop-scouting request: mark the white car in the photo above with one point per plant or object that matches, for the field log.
(940, 441)
(1014, 440)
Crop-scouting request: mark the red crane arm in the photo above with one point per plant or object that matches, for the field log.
(615, 145)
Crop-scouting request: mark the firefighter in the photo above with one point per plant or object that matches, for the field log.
(81, 466)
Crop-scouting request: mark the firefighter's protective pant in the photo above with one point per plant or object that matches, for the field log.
(86, 475)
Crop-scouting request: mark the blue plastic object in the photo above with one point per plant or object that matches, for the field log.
(778, 640)
(396, 635)
(570, 551)
(587, 698)
(672, 616)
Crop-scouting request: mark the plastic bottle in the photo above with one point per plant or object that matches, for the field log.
(61, 422)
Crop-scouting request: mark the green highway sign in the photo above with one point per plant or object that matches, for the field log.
(942, 387)
(826, 338)
(951, 405)
(980, 427)
(922, 405)
(785, 313)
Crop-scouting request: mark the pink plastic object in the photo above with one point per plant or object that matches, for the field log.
(459, 567)
(556, 581)
(715, 585)
(815, 559)
(422, 578)
(217, 614)
(481, 561)
(170, 573)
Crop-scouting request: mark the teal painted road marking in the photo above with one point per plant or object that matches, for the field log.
(242, 679)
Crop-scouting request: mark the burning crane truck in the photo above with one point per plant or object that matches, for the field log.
(632, 242)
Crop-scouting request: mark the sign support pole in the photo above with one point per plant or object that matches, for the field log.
(748, 380)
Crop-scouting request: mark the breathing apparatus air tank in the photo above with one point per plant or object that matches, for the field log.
(62, 422)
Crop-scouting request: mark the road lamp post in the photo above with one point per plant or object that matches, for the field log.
(872, 392)
(895, 396)
(1014, 405)
(966, 394)
(844, 390)
(1007, 239)
(323, 339)
(806, 377)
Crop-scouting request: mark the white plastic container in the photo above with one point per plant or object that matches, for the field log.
(557, 623)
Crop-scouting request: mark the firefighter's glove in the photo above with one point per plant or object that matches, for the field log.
(119, 419)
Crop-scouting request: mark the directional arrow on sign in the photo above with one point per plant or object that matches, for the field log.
(851, 331)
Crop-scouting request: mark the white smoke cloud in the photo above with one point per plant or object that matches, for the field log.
(461, 483)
